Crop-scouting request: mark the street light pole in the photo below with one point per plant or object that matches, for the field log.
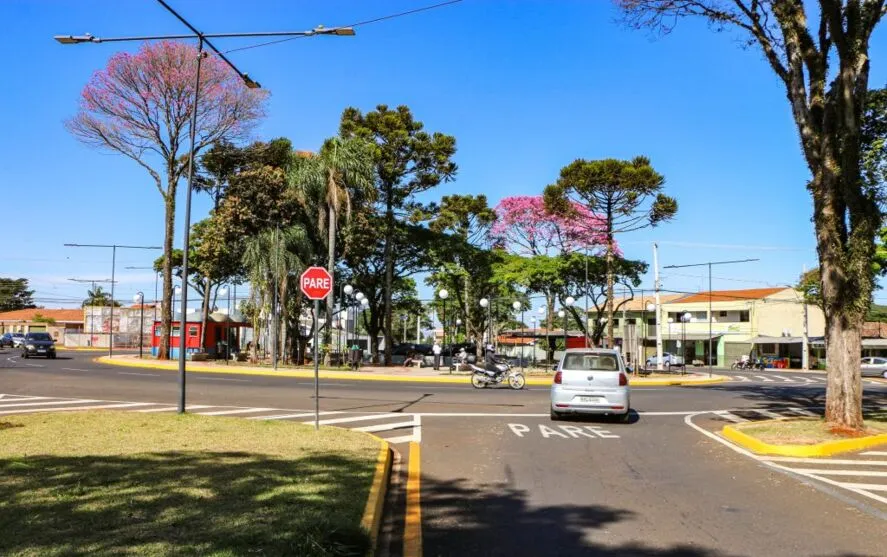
(140, 299)
(709, 264)
(563, 314)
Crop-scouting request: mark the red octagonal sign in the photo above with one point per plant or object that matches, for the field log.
(316, 283)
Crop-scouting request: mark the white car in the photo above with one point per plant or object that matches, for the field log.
(590, 381)
(874, 367)
(668, 360)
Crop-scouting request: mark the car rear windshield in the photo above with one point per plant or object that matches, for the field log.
(39, 336)
(591, 362)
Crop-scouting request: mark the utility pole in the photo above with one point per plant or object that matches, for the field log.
(709, 264)
(658, 307)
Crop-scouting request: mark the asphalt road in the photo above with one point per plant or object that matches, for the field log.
(499, 478)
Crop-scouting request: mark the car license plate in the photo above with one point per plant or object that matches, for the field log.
(41, 350)
(590, 399)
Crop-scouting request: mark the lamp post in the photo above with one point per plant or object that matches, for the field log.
(668, 336)
(533, 329)
(456, 334)
(649, 307)
(685, 317)
(518, 306)
(568, 303)
(225, 291)
(485, 303)
(403, 319)
(139, 298)
(443, 295)
(364, 305)
(541, 312)
(563, 314)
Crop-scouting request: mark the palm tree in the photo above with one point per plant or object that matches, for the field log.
(330, 182)
(98, 297)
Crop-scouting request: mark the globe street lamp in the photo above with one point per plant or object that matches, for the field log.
(568, 303)
(485, 303)
(518, 306)
(456, 335)
(139, 298)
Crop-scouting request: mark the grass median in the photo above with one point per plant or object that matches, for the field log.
(114, 483)
(809, 431)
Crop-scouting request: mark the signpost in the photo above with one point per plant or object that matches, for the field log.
(316, 283)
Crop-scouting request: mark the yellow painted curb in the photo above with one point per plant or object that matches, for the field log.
(412, 530)
(826, 448)
(172, 365)
(372, 514)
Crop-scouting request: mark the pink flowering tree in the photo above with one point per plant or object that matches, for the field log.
(140, 106)
(524, 227)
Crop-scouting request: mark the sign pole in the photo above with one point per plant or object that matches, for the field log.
(316, 368)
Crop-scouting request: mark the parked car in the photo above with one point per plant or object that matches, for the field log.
(874, 367)
(590, 381)
(11, 339)
(668, 360)
(38, 344)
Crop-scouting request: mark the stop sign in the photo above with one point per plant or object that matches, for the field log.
(316, 283)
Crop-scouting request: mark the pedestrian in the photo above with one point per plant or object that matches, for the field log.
(436, 351)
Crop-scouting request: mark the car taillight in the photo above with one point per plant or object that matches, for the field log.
(623, 380)
(558, 378)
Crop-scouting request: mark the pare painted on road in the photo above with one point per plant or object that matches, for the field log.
(562, 431)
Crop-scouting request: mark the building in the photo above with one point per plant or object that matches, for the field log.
(218, 326)
(56, 322)
(771, 322)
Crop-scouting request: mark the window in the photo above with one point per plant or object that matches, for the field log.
(174, 332)
(722, 314)
(879, 361)
(631, 321)
(157, 330)
(743, 316)
(192, 331)
(700, 315)
(615, 322)
(768, 348)
(591, 361)
(651, 321)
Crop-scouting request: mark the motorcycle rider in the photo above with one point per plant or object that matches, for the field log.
(492, 362)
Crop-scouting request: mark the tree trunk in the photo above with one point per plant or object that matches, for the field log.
(389, 279)
(169, 235)
(843, 406)
(331, 266)
(204, 313)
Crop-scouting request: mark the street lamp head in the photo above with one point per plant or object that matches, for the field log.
(603, 320)
(458, 321)
(359, 296)
(561, 313)
(443, 294)
(338, 31)
(541, 311)
(569, 301)
(686, 316)
(365, 302)
(651, 307)
(670, 320)
(138, 297)
(250, 83)
(178, 289)
(75, 39)
(223, 291)
(484, 302)
(348, 289)
(516, 306)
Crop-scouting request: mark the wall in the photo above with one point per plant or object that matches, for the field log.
(784, 311)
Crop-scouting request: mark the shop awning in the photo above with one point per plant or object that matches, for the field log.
(874, 343)
(776, 340)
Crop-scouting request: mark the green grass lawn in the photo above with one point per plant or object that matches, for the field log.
(114, 483)
(806, 431)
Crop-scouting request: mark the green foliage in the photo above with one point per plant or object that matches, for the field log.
(809, 285)
(873, 143)
(877, 313)
(100, 297)
(38, 318)
(14, 294)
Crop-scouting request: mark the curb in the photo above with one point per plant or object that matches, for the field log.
(357, 376)
(827, 448)
(372, 514)
(412, 529)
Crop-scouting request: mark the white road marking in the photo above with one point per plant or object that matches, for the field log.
(785, 379)
(764, 379)
(728, 416)
(801, 411)
(402, 439)
(741, 377)
(417, 430)
(385, 427)
(873, 487)
(137, 373)
(874, 453)
(835, 461)
(288, 416)
(769, 414)
(224, 379)
(872, 473)
(237, 411)
(804, 379)
(74, 408)
(358, 418)
(52, 403)
(74, 369)
(172, 408)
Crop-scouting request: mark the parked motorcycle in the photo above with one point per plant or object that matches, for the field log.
(482, 377)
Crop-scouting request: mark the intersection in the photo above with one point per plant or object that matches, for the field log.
(499, 478)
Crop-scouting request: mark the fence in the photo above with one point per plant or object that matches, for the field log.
(100, 340)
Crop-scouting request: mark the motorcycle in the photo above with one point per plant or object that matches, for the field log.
(482, 377)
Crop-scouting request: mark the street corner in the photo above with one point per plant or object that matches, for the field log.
(752, 436)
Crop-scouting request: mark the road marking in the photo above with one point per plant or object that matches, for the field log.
(74, 369)
(71, 409)
(769, 414)
(572, 432)
(873, 487)
(874, 453)
(412, 530)
(835, 461)
(785, 379)
(222, 379)
(287, 416)
(728, 416)
(875, 473)
(237, 411)
(401, 439)
(171, 408)
(762, 378)
(741, 377)
(136, 373)
(546, 415)
(385, 427)
(357, 418)
(801, 411)
(52, 403)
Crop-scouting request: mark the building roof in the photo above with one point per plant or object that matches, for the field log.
(639, 302)
(28, 315)
(731, 295)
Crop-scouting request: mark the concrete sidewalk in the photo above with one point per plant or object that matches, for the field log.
(374, 373)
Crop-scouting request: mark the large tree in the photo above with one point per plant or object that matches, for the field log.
(627, 195)
(15, 294)
(408, 161)
(140, 106)
(821, 57)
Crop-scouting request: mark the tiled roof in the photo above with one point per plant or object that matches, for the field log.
(60, 315)
(639, 303)
(730, 295)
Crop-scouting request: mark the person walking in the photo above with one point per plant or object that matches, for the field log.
(436, 351)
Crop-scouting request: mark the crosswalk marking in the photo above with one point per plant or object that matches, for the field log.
(835, 461)
(732, 417)
(870, 473)
(867, 487)
(801, 411)
(235, 411)
(288, 416)
(50, 403)
(764, 379)
(172, 408)
(358, 419)
(768, 413)
(874, 453)
(70, 409)
(385, 427)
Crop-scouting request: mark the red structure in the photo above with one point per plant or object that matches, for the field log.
(216, 327)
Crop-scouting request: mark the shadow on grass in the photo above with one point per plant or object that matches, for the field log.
(497, 520)
(191, 503)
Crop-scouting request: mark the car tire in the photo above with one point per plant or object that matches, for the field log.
(556, 416)
(624, 418)
(25, 355)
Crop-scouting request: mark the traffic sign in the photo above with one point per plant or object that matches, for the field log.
(316, 283)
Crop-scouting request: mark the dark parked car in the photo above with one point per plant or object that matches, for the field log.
(38, 344)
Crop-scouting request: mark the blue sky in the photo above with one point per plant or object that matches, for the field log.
(525, 86)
